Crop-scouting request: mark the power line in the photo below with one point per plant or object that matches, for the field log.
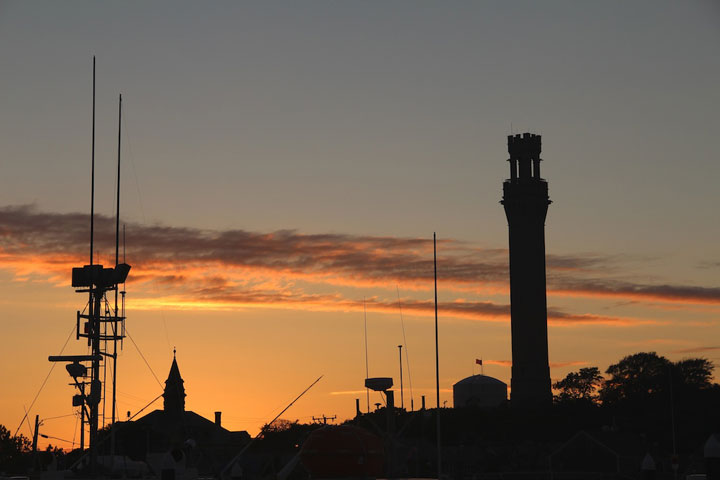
(59, 416)
(43, 383)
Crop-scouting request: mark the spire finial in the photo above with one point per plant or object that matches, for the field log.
(174, 353)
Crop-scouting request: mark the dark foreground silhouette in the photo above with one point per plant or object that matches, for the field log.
(597, 427)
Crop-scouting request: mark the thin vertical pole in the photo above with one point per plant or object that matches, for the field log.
(123, 293)
(672, 423)
(407, 357)
(367, 369)
(93, 308)
(402, 401)
(95, 384)
(92, 175)
(437, 360)
(82, 423)
(117, 208)
(36, 467)
(117, 258)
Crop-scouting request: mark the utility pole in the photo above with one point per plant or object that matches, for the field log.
(35, 442)
(437, 365)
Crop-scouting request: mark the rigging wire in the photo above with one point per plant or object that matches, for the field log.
(129, 152)
(59, 416)
(56, 438)
(128, 148)
(44, 382)
(143, 408)
(407, 358)
(143, 357)
(262, 430)
(32, 434)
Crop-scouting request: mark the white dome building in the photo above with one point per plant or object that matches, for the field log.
(479, 391)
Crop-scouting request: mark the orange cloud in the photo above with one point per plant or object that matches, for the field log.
(502, 363)
(697, 350)
(235, 268)
(567, 364)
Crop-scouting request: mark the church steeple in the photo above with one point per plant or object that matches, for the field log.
(174, 394)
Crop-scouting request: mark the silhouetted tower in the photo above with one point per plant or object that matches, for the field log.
(525, 198)
(174, 394)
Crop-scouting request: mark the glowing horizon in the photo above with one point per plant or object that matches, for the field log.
(284, 167)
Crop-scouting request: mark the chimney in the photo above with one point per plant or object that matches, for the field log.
(218, 422)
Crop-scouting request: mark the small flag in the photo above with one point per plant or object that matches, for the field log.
(478, 361)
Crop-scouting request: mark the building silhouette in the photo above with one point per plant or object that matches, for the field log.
(205, 443)
(174, 393)
(479, 391)
(525, 199)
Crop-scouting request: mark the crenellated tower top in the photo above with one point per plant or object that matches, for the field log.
(524, 158)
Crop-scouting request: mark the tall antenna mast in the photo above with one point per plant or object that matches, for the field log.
(117, 211)
(98, 328)
(92, 174)
(367, 369)
(117, 258)
(437, 360)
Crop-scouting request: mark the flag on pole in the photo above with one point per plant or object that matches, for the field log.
(478, 361)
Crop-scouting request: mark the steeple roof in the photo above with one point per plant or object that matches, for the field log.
(174, 394)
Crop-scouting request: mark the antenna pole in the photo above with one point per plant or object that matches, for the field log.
(117, 255)
(437, 361)
(96, 281)
(367, 369)
(402, 400)
(92, 175)
(94, 311)
(117, 212)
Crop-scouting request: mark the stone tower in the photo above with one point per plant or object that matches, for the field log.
(525, 198)
(174, 394)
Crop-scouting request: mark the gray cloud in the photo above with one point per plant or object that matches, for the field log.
(28, 233)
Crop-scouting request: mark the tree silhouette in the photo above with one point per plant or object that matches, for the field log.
(644, 377)
(14, 451)
(636, 378)
(579, 386)
(695, 372)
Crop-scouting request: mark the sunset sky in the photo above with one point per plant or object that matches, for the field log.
(285, 165)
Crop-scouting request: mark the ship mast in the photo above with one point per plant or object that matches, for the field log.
(100, 324)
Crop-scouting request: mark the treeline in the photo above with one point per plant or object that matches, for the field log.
(636, 379)
(16, 455)
(673, 403)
